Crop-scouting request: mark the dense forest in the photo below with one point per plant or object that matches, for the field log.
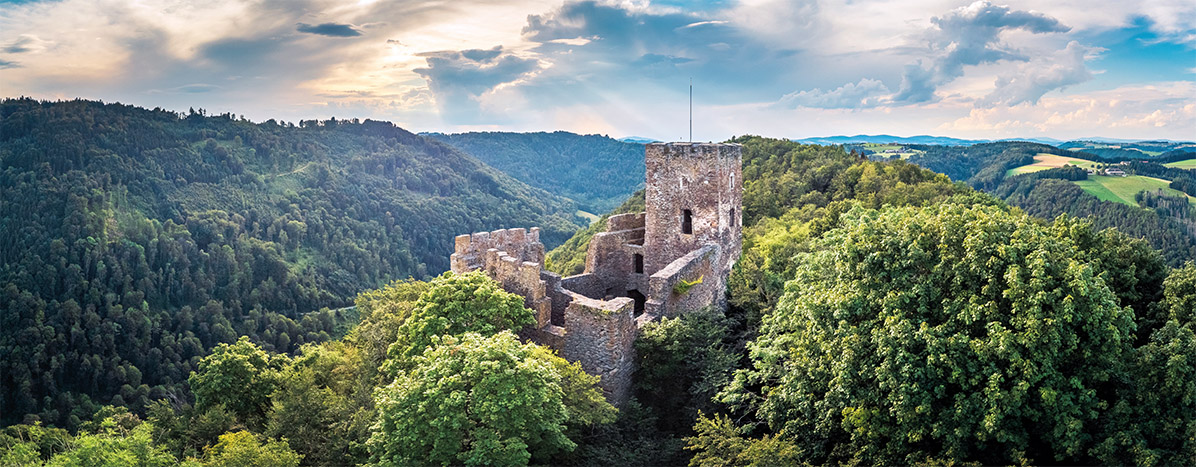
(880, 314)
(132, 241)
(596, 171)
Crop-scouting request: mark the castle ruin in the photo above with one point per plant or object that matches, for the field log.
(673, 258)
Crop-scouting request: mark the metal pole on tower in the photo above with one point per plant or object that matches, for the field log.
(691, 110)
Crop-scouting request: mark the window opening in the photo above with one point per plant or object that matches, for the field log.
(687, 221)
(637, 261)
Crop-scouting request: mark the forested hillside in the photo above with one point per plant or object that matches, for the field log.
(596, 171)
(132, 241)
(994, 167)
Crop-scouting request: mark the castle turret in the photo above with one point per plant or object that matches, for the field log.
(694, 197)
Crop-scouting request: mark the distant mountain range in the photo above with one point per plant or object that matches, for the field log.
(638, 140)
(948, 141)
(920, 139)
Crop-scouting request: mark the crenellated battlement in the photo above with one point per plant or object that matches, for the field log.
(522, 244)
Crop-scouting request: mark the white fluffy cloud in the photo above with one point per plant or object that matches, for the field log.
(866, 93)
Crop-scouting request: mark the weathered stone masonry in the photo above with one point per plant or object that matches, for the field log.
(673, 258)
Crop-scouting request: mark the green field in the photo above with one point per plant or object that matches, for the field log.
(1188, 164)
(879, 150)
(592, 218)
(1045, 161)
(1123, 189)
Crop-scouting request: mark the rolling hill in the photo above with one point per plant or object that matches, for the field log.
(596, 171)
(134, 240)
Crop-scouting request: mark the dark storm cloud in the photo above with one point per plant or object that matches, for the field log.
(329, 29)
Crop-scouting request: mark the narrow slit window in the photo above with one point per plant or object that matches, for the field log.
(733, 219)
(687, 221)
(637, 261)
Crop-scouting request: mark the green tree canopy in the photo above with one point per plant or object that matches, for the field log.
(245, 449)
(117, 441)
(946, 332)
(455, 304)
(1179, 295)
(240, 376)
(478, 400)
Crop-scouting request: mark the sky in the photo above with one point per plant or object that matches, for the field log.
(1062, 69)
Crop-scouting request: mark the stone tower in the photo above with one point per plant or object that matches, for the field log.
(694, 197)
(673, 258)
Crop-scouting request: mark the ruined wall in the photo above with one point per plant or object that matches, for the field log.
(669, 295)
(611, 256)
(600, 336)
(706, 179)
(589, 318)
(513, 258)
(470, 249)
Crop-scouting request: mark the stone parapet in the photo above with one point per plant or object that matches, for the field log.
(628, 221)
(469, 250)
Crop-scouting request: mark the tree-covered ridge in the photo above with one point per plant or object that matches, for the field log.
(132, 241)
(596, 171)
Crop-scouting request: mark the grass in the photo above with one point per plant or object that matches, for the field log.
(1188, 164)
(590, 217)
(1123, 189)
(1045, 161)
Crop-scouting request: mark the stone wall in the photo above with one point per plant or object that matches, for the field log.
(513, 258)
(600, 336)
(611, 257)
(698, 268)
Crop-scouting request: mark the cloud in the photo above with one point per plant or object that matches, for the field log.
(26, 43)
(1161, 110)
(1042, 75)
(197, 88)
(917, 84)
(8, 64)
(595, 47)
(968, 36)
(329, 29)
(865, 93)
(458, 78)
